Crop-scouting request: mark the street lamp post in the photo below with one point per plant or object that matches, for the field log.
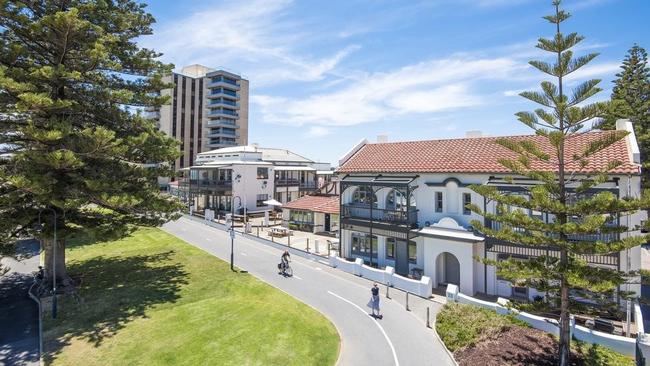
(232, 233)
(53, 260)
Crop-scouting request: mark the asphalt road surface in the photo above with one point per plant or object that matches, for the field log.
(18, 312)
(400, 338)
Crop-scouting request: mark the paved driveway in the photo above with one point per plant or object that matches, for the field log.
(400, 338)
(18, 312)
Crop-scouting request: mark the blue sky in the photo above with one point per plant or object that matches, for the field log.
(325, 74)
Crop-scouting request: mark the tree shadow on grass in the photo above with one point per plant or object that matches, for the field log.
(113, 291)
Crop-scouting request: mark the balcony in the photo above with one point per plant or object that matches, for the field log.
(391, 217)
(223, 84)
(287, 182)
(230, 81)
(604, 237)
(222, 134)
(210, 183)
(223, 113)
(221, 123)
(223, 103)
(219, 144)
(308, 185)
(223, 93)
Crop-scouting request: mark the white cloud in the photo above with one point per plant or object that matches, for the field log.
(318, 131)
(255, 36)
(426, 87)
(594, 70)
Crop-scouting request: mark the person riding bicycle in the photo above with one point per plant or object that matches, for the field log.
(284, 260)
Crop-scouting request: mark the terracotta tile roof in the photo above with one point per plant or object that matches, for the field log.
(325, 204)
(475, 155)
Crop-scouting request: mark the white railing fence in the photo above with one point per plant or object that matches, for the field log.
(422, 287)
(624, 345)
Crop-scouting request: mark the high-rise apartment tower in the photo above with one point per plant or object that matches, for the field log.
(208, 110)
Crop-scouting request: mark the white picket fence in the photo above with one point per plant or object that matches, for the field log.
(387, 276)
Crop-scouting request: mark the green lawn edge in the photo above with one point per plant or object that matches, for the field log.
(153, 299)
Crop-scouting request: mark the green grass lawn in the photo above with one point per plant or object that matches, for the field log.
(152, 299)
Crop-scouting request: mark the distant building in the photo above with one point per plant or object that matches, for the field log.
(208, 110)
(251, 173)
(314, 213)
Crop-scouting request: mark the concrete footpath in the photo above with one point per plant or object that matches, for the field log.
(400, 338)
(18, 312)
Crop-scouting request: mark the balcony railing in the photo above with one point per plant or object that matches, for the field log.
(224, 102)
(221, 122)
(290, 182)
(219, 112)
(209, 183)
(287, 182)
(604, 237)
(223, 80)
(216, 91)
(397, 217)
(308, 185)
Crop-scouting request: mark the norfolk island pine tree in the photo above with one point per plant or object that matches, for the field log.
(71, 77)
(631, 99)
(561, 192)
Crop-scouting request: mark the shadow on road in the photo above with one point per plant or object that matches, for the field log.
(19, 319)
(112, 291)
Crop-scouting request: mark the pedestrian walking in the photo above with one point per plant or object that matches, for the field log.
(374, 301)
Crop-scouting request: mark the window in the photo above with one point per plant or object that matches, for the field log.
(262, 173)
(438, 201)
(361, 244)
(467, 200)
(297, 216)
(413, 252)
(261, 198)
(390, 248)
(364, 195)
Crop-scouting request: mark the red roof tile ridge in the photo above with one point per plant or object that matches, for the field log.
(483, 137)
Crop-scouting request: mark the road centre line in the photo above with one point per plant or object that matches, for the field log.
(392, 348)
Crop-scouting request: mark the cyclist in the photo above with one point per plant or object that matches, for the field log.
(284, 260)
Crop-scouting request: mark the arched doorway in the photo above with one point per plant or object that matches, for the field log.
(447, 269)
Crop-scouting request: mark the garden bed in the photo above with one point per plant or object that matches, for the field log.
(479, 336)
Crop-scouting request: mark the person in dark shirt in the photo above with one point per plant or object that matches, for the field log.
(374, 301)
(286, 257)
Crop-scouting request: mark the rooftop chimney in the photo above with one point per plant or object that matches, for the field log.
(474, 133)
(383, 138)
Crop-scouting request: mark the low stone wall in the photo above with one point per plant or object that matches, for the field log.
(422, 287)
(617, 343)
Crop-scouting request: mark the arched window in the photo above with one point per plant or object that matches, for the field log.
(396, 200)
(364, 195)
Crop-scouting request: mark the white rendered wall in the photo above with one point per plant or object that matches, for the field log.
(248, 186)
(463, 251)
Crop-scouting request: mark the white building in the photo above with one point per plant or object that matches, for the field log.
(247, 176)
(403, 205)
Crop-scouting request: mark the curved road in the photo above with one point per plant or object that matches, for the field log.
(398, 339)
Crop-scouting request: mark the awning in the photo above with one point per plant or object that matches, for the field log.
(272, 202)
(444, 233)
(294, 168)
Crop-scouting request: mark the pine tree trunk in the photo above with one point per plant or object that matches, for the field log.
(52, 262)
(565, 326)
